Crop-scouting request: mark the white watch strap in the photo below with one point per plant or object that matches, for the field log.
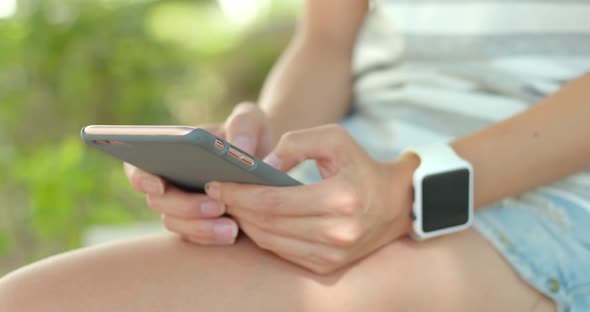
(435, 155)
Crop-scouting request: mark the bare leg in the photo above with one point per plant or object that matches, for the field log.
(457, 273)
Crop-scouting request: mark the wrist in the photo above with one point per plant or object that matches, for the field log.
(402, 173)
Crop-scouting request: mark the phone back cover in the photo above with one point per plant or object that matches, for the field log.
(188, 161)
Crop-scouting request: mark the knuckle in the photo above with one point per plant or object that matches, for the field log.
(338, 258)
(289, 135)
(290, 143)
(333, 260)
(340, 137)
(343, 236)
(347, 202)
(289, 138)
(344, 240)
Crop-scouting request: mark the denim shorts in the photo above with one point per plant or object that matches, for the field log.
(544, 234)
(546, 238)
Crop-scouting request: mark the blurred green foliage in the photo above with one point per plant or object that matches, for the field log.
(67, 64)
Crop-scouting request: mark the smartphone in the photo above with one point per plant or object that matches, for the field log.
(185, 157)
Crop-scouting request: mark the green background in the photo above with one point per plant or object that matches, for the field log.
(65, 64)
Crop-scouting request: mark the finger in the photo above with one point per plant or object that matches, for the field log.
(244, 127)
(186, 205)
(301, 253)
(283, 246)
(216, 130)
(304, 228)
(316, 230)
(143, 181)
(324, 144)
(305, 200)
(221, 231)
(128, 169)
(151, 184)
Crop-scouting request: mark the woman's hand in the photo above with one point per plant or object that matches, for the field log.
(359, 206)
(197, 217)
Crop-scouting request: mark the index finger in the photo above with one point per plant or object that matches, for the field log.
(304, 200)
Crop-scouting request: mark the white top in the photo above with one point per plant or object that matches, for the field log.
(433, 70)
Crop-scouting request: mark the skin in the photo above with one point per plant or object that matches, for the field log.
(162, 273)
(342, 238)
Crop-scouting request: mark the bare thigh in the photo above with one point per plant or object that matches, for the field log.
(161, 273)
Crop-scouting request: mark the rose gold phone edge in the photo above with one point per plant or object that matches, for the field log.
(138, 130)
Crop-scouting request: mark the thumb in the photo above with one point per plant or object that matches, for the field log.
(243, 127)
(325, 144)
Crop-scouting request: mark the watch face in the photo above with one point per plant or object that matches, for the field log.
(445, 200)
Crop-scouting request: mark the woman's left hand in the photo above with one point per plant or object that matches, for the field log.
(358, 207)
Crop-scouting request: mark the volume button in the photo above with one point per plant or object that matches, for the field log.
(234, 153)
(247, 160)
(237, 155)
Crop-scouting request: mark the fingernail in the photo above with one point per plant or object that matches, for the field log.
(211, 209)
(212, 189)
(273, 161)
(225, 232)
(152, 186)
(245, 142)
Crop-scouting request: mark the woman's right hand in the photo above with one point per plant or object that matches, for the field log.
(197, 217)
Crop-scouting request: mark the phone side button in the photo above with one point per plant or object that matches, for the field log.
(247, 160)
(234, 153)
(237, 155)
(219, 145)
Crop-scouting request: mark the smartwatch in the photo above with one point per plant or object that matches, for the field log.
(443, 192)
